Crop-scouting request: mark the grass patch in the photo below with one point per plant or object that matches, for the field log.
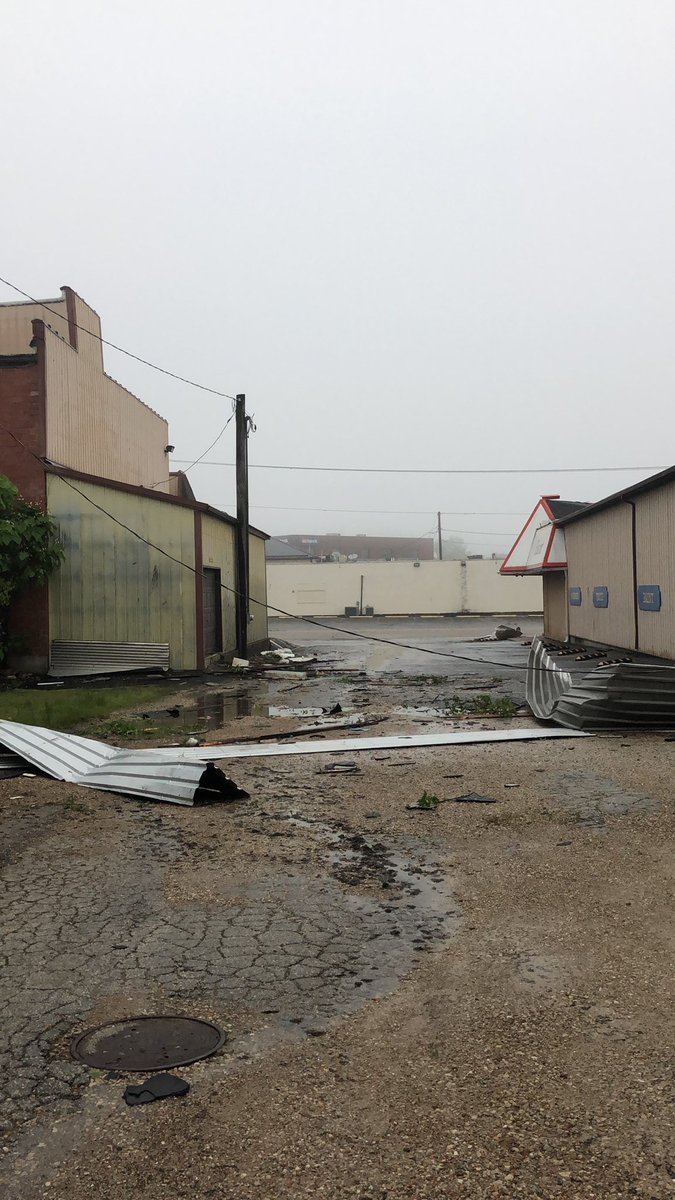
(64, 709)
(483, 705)
(428, 800)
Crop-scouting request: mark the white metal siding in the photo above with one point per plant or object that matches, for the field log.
(555, 605)
(655, 542)
(599, 554)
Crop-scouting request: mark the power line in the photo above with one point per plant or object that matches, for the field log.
(385, 512)
(201, 456)
(433, 470)
(146, 363)
(263, 603)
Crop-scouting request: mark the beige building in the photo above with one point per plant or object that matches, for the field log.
(398, 588)
(611, 581)
(149, 573)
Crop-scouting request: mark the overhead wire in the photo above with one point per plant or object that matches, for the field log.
(198, 460)
(104, 341)
(59, 471)
(432, 470)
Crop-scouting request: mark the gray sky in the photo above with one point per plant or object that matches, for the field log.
(416, 234)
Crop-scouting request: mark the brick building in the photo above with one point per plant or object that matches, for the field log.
(82, 447)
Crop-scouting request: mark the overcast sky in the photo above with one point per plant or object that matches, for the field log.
(416, 233)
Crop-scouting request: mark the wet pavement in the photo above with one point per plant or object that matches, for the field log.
(155, 924)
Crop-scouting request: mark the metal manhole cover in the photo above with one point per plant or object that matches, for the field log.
(147, 1043)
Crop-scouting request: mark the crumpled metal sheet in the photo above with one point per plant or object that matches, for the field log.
(149, 774)
(177, 774)
(638, 694)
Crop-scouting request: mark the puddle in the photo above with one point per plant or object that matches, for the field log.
(218, 708)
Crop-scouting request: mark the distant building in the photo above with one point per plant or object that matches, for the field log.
(359, 547)
(278, 550)
(97, 459)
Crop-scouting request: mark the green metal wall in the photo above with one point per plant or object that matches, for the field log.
(257, 630)
(112, 586)
(218, 550)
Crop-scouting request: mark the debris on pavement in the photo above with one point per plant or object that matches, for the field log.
(473, 798)
(504, 632)
(340, 768)
(158, 1087)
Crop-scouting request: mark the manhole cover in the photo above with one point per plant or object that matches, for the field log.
(147, 1043)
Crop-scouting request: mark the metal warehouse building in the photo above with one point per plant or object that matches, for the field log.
(621, 568)
(608, 568)
(149, 575)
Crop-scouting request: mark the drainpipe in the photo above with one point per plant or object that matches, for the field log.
(636, 610)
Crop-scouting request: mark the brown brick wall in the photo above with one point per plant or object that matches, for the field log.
(22, 411)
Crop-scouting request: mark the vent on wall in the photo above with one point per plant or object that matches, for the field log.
(98, 658)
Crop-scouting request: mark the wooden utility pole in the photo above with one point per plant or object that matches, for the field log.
(242, 604)
(440, 537)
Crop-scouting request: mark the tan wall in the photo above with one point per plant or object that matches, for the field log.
(94, 425)
(218, 550)
(655, 542)
(599, 554)
(488, 591)
(315, 589)
(555, 605)
(112, 586)
(16, 323)
(257, 572)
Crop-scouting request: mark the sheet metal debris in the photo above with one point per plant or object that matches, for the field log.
(179, 774)
(614, 695)
(150, 774)
(351, 745)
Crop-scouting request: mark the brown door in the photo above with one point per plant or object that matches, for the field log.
(213, 613)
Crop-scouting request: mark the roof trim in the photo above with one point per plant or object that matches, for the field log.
(149, 494)
(646, 485)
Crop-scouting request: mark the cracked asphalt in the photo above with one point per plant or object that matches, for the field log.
(474, 1001)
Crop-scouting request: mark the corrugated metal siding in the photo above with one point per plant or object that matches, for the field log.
(113, 587)
(655, 542)
(94, 658)
(16, 329)
(599, 553)
(257, 571)
(218, 550)
(95, 425)
(555, 605)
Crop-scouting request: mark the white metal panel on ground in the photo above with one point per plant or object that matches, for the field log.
(453, 737)
(149, 774)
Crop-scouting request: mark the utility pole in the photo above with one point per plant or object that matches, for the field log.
(440, 537)
(242, 601)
